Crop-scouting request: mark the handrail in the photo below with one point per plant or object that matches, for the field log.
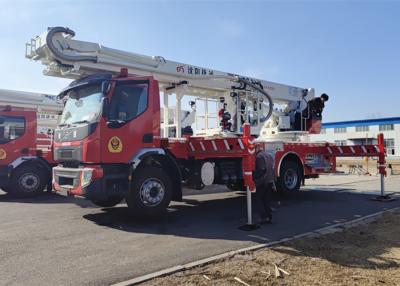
(262, 91)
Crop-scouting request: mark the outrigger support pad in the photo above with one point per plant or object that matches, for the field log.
(383, 197)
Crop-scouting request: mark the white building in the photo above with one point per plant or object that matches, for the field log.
(363, 132)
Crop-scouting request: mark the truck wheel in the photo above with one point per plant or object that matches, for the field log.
(290, 177)
(150, 193)
(113, 201)
(27, 181)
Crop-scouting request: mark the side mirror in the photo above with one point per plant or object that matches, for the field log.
(105, 107)
(105, 87)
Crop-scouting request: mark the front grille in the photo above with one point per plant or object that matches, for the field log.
(64, 154)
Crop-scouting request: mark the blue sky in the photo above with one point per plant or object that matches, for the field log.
(350, 50)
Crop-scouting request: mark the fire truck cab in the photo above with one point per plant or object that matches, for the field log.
(107, 122)
(25, 143)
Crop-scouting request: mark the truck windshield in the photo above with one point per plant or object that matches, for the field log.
(83, 105)
(11, 128)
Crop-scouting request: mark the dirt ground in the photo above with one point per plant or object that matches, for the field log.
(368, 254)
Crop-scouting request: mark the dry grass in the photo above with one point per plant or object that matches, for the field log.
(367, 254)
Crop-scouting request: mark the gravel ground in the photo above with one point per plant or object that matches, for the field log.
(367, 254)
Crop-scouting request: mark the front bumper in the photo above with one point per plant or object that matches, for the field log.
(5, 175)
(86, 182)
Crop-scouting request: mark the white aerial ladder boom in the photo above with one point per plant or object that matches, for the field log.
(66, 57)
(30, 100)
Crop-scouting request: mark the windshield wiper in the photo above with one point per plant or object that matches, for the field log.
(80, 121)
(69, 124)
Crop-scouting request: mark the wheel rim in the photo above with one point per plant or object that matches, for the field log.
(290, 178)
(152, 192)
(29, 182)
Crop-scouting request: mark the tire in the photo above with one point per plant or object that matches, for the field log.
(150, 192)
(111, 202)
(290, 177)
(28, 181)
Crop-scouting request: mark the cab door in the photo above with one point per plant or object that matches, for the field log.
(17, 135)
(131, 116)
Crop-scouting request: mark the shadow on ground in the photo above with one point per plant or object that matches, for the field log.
(220, 218)
(46, 198)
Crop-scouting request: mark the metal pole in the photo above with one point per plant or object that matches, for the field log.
(249, 226)
(166, 115)
(178, 108)
(382, 185)
(367, 158)
(249, 207)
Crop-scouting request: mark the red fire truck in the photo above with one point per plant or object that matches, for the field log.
(26, 122)
(110, 144)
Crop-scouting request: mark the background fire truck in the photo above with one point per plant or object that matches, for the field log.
(110, 143)
(26, 124)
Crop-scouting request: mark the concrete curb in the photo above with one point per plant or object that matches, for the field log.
(321, 231)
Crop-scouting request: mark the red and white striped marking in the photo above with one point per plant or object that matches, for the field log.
(202, 146)
(241, 144)
(251, 150)
(191, 146)
(226, 144)
(214, 145)
(364, 149)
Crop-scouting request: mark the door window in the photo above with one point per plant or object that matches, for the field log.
(129, 101)
(11, 128)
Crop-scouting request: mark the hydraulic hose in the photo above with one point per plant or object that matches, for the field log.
(257, 87)
(59, 55)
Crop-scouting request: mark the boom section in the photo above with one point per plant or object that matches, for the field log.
(29, 100)
(66, 57)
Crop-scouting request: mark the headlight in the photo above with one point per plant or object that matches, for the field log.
(86, 177)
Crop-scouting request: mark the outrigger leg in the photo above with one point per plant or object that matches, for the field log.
(383, 197)
(248, 165)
